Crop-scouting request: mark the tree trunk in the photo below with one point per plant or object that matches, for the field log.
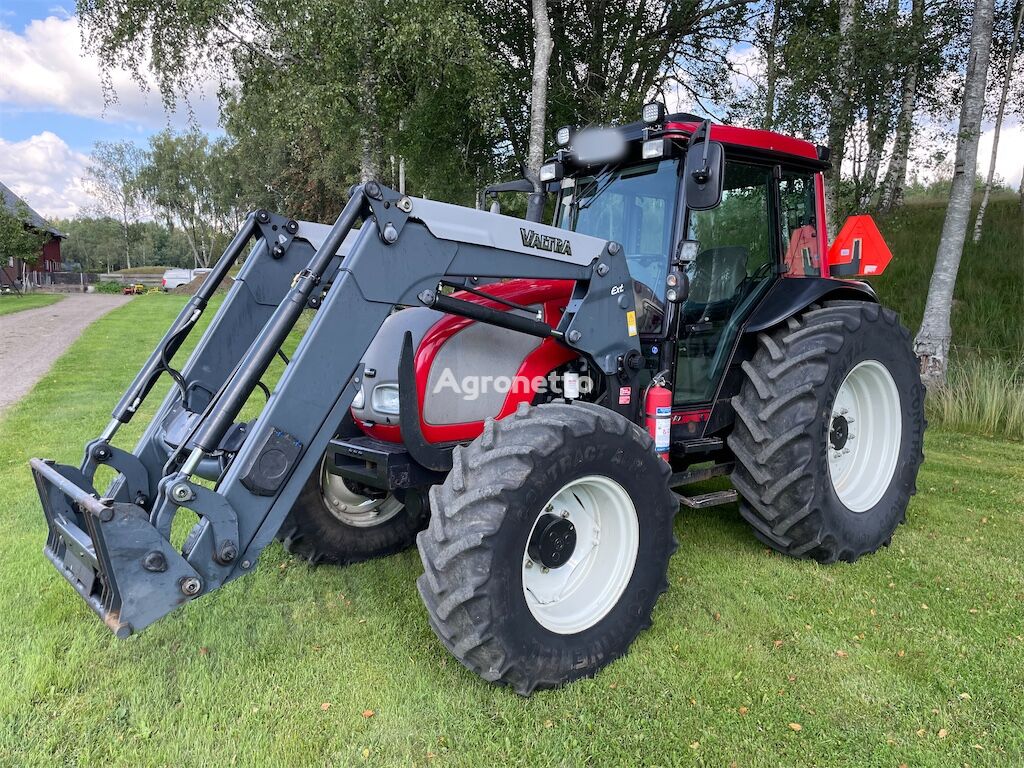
(999, 124)
(542, 45)
(839, 111)
(771, 68)
(127, 240)
(932, 343)
(896, 175)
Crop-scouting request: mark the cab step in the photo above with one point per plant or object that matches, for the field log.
(705, 500)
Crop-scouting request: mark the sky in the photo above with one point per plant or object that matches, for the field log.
(52, 110)
(52, 107)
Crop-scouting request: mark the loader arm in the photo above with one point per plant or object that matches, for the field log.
(115, 548)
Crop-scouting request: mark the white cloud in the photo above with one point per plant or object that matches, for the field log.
(1010, 159)
(45, 68)
(45, 172)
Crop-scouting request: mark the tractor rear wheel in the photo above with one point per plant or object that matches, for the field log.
(337, 523)
(829, 432)
(548, 546)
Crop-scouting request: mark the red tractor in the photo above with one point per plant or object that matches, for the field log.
(526, 414)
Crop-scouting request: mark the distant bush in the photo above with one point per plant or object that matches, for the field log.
(108, 286)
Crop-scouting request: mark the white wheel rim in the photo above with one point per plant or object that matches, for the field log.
(578, 594)
(353, 508)
(862, 465)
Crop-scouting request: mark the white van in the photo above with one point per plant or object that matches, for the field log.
(176, 277)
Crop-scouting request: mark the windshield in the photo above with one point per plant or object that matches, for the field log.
(634, 206)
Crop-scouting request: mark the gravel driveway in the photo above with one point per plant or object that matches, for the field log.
(30, 341)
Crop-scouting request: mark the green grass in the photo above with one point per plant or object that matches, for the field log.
(11, 303)
(929, 631)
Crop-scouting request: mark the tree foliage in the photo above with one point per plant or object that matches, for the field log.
(18, 240)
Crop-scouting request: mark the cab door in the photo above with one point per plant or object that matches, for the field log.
(735, 264)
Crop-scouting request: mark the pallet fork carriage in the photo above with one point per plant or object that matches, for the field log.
(115, 548)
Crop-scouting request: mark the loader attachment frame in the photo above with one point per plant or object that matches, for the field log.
(115, 548)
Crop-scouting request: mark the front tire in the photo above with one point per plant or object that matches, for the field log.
(336, 524)
(829, 432)
(548, 546)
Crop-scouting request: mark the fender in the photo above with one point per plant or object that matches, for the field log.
(791, 295)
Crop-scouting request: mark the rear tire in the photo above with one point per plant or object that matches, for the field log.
(329, 524)
(487, 595)
(807, 487)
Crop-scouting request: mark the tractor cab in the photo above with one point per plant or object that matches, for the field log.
(710, 217)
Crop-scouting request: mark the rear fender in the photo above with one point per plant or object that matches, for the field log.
(792, 295)
(788, 297)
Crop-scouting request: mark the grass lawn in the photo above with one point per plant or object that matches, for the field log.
(9, 304)
(914, 655)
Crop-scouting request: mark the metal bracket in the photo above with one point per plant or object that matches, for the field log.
(134, 488)
(425, 454)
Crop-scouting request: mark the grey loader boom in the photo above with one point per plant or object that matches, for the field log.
(114, 546)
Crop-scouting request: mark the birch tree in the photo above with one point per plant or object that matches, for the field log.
(1007, 77)
(542, 46)
(891, 195)
(113, 176)
(932, 342)
(840, 108)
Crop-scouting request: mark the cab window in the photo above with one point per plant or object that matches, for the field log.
(634, 206)
(797, 206)
(733, 265)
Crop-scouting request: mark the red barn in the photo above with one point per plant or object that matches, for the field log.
(11, 269)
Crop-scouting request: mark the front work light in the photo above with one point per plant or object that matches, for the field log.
(654, 148)
(385, 399)
(653, 113)
(551, 172)
(562, 135)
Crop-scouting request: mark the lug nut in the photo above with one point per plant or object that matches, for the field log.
(602, 269)
(575, 336)
(613, 247)
(190, 586)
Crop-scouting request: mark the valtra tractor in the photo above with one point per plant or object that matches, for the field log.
(525, 402)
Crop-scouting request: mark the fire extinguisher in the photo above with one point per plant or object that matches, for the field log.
(658, 409)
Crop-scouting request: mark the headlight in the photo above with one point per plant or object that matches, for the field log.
(360, 399)
(551, 172)
(562, 136)
(385, 399)
(653, 148)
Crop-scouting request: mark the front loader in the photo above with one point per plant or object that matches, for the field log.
(518, 399)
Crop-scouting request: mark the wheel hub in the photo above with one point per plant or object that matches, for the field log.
(553, 541)
(580, 554)
(345, 502)
(864, 435)
(839, 433)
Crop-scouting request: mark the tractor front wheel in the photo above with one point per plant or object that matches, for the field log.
(829, 432)
(338, 523)
(548, 545)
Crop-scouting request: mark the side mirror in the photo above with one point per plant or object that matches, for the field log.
(703, 175)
